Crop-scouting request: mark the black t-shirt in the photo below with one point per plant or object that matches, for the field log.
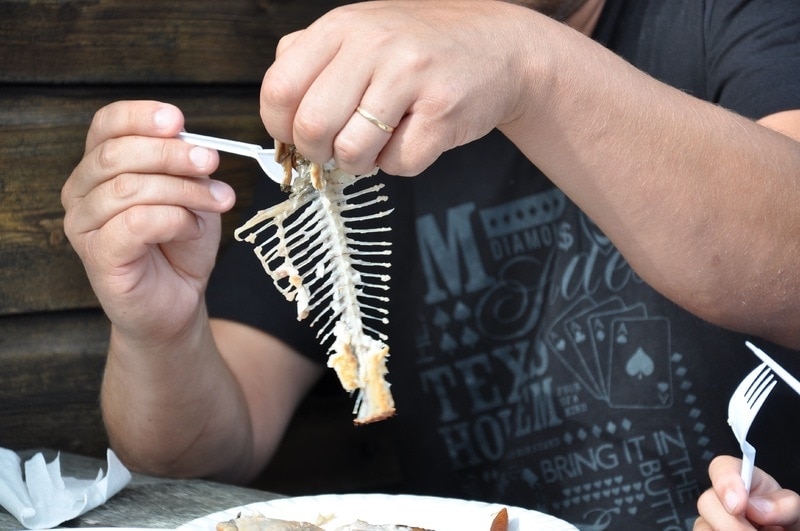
(530, 365)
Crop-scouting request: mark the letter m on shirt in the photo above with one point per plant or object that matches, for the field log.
(450, 258)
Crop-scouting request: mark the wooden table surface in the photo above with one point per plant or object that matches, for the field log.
(147, 501)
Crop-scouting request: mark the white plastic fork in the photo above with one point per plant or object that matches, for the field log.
(743, 407)
(265, 157)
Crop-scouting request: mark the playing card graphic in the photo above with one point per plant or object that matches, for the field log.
(560, 343)
(578, 330)
(600, 326)
(639, 365)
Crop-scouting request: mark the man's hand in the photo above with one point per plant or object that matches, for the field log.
(144, 218)
(434, 71)
(727, 506)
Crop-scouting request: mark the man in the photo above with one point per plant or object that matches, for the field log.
(577, 322)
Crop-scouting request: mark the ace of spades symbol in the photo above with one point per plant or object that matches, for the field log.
(639, 365)
(640, 370)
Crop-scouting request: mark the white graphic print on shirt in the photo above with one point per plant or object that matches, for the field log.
(597, 419)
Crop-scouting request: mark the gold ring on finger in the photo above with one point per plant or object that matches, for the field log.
(372, 118)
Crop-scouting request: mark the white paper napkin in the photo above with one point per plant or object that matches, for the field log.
(43, 499)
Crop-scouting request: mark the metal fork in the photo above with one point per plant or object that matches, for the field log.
(743, 407)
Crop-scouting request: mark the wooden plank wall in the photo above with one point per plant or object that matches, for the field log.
(59, 62)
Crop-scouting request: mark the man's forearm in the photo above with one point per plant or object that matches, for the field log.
(701, 202)
(176, 410)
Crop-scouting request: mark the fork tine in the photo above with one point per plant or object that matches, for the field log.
(747, 381)
(739, 405)
(762, 393)
(765, 374)
(753, 375)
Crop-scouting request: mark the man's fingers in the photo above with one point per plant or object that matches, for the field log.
(113, 197)
(716, 516)
(288, 79)
(125, 118)
(778, 508)
(725, 474)
(126, 237)
(137, 155)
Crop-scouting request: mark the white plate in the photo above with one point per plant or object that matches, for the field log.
(441, 514)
